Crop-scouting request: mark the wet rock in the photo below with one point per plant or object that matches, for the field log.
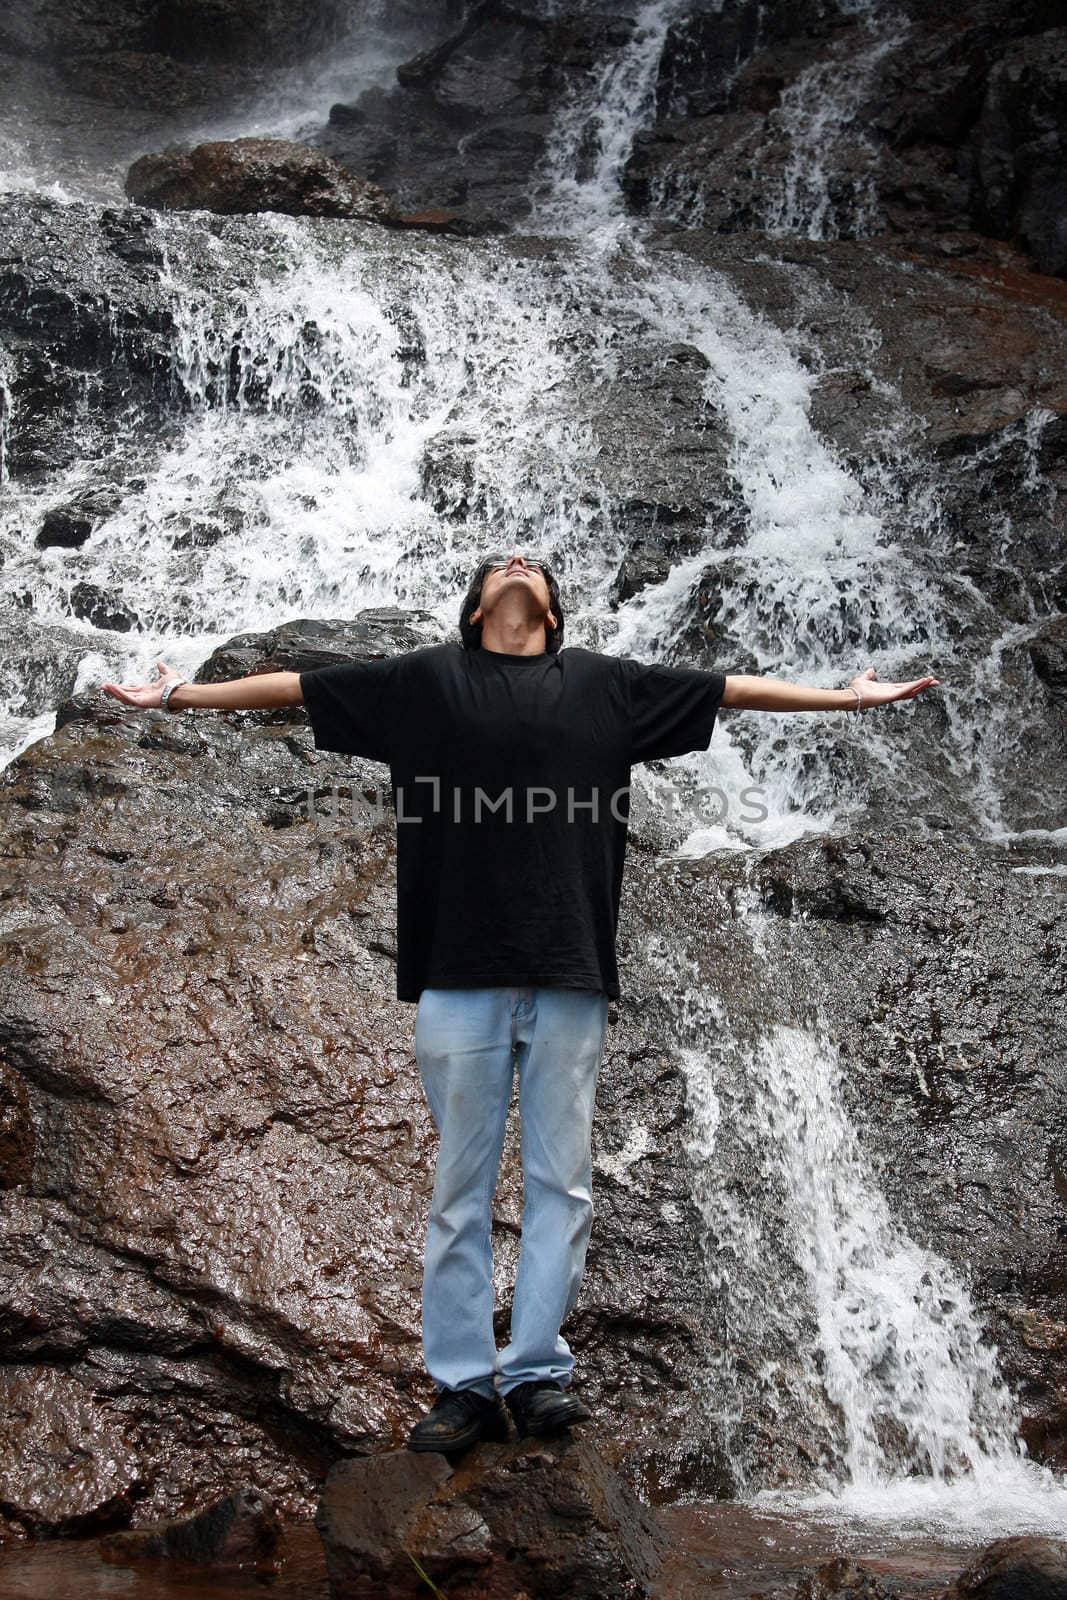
(52, 27)
(469, 118)
(269, 31)
(65, 1468)
(955, 941)
(247, 175)
(242, 1528)
(226, 1180)
(1020, 148)
(1048, 652)
(128, 78)
(302, 645)
(68, 526)
(946, 124)
(1015, 1569)
(542, 1517)
(964, 393)
(439, 220)
(841, 1577)
(86, 335)
(187, 30)
(93, 604)
(49, 655)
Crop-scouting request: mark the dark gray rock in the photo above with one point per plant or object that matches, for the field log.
(959, 125)
(186, 30)
(68, 526)
(93, 604)
(1048, 652)
(544, 1517)
(470, 116)
(129, 78)
(1020, 148)
(302, 645)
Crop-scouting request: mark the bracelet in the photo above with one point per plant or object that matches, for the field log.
(859, 698)
(165, 696)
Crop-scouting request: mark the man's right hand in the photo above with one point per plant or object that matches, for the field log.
(142, 694)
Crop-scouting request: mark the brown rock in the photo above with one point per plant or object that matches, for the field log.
(243, 1527)
(840, 1577)
(245, 175)
(438, 220)
(1016, 1569)
(540, 1517)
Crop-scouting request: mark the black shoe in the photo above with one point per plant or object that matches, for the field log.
(459, 1417)
(544, 1407)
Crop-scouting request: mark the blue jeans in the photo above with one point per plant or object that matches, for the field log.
(468, 1043)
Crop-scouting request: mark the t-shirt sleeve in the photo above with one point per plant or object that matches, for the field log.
(672, 709)
(352, 707)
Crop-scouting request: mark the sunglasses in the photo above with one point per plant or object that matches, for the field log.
(538, 565)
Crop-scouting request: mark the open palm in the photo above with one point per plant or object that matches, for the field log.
(880, 694)
(142, 694)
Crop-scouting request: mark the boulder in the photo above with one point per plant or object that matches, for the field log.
(243, 1527)
(1023, 1568)
(245, 175)
(538, 1517)
(68, 526)
(301, 645)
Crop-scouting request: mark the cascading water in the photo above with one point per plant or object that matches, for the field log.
(577, 186)
(822, 1307)
(827, 187)
(357, 417)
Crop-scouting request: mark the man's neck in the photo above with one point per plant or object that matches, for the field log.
(514, 639)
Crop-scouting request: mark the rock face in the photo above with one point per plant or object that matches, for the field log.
(246, 175)
(922, 951)
(469, 119)
(925, 123)
(186, 30)
(538, 1517)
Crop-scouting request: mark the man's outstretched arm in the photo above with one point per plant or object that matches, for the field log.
(258, 692)
(775, 694)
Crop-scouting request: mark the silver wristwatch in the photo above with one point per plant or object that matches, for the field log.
(165, 696)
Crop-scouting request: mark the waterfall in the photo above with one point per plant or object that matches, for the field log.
(577, 185)
(357, 415)
(817, 118)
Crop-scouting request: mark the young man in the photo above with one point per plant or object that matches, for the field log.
(510, 761)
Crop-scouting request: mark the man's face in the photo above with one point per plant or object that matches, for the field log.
(513, 576)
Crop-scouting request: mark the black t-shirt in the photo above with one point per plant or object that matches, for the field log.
(511, 781)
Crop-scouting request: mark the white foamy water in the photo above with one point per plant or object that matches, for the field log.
(825, 1313)
(576, 187)
(827, 188)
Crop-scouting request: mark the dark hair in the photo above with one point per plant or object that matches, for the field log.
(471, 633)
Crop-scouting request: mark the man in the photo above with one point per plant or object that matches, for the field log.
(510, 761)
